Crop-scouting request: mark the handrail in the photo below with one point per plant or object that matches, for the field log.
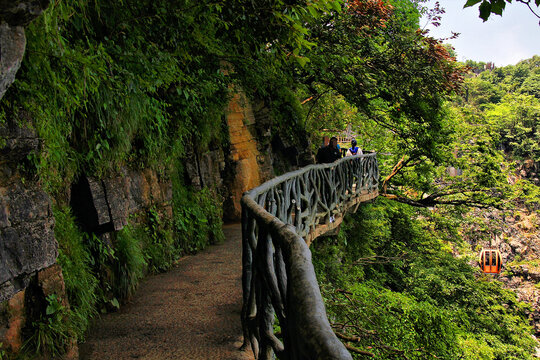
(279, 220)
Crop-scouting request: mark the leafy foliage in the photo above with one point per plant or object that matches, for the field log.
(107, 83)
(394, 289)
(129, 264)
(198, 219)
(52, 333)
(75, 260)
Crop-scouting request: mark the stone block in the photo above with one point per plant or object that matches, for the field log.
(117, 190)
(24, 249)
(27, 203)
(99, 199)
(11, 327)
(51, 281)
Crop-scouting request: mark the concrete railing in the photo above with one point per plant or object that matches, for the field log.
(279, 220)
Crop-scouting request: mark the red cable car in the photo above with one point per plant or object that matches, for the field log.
(490, 261)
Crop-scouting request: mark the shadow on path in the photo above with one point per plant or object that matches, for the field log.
(191, 312)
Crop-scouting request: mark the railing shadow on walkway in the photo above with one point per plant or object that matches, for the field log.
(279, 220)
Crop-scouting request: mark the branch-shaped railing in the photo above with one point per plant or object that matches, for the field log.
(279, 220)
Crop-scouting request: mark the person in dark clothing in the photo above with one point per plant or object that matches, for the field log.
(329, 153)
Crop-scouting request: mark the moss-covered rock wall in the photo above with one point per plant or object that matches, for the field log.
(122, 145)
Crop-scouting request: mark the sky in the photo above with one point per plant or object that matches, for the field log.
(502, 40)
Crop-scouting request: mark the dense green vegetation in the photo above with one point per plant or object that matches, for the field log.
(394, 289)
(114, 84)
(391, 281)
(507, 101)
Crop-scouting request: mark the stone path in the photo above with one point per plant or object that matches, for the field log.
(191, 312)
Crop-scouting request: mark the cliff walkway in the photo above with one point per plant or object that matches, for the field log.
(189, 313)
(194, 311)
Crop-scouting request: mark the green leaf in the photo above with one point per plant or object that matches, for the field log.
(498, 7)
(314, 13)
(336, 5)
(115, 303)
(302, 61)
(485, 10)
(50, 310)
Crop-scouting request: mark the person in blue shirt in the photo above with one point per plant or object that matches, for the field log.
(353, 150)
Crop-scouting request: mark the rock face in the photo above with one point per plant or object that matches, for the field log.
(28, 249)
(205, 169)
(26, 224)
(243, 151)
(12, 45)
(518, 241)
(104, 205)
(14, 15)
(255, 152)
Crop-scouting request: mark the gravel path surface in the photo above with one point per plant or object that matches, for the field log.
(191, 312)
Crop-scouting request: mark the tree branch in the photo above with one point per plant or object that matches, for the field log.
(528, 3)
(352, 348)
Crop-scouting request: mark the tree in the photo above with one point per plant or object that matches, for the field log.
(531, 86)
(517, 120)
(398, 78)
(488, 7)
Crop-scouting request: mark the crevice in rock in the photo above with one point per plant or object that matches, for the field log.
(34, 305)
(84, 208)
(108, 227)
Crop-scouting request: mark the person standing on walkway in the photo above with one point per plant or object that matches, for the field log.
(353, 150)
(330, 153)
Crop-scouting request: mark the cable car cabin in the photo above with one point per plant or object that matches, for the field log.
(490, 261)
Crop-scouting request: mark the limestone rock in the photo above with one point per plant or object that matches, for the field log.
(97, 189)
(27, 242)
(205, 169)
(104, 205)
(14, 15)
(243, 152)
(12, 45)
(13, 318)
